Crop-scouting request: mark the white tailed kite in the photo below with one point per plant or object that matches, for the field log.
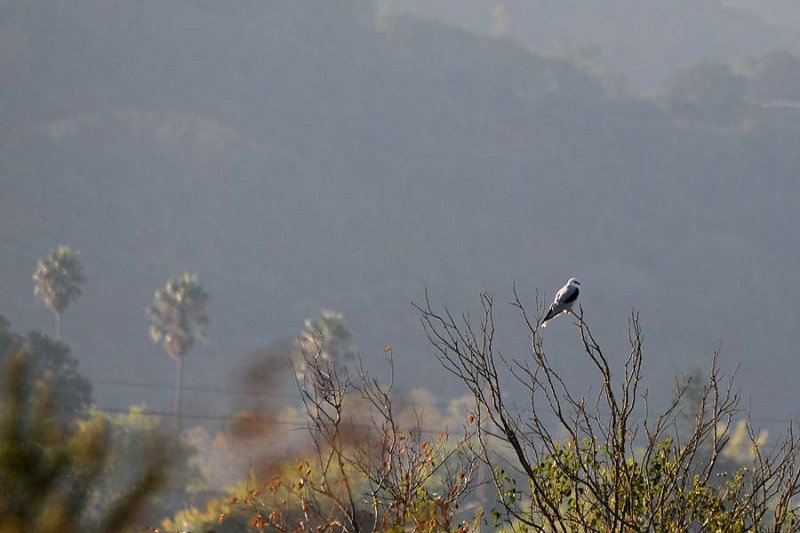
(564, 300)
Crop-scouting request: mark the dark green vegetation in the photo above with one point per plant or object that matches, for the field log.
(50, 363)
(54, 469)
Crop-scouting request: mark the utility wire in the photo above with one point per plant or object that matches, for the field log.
(230, 418)
(288, 396)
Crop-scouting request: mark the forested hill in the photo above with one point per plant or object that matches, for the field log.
(301, 155)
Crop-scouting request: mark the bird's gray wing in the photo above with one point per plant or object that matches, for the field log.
(566, 294)
(570, 295)
(564, 297)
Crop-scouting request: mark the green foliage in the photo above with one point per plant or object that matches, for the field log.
(58, 279)
(131, 440)
(225, 513)
(179, 314)
(48, 472)
(642, 492)
(49, 364)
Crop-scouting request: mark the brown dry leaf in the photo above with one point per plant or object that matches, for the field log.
(258, 522)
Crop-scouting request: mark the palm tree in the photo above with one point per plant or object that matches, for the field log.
(58, 278)
(327, 337)
(328, 330)
(178, 315)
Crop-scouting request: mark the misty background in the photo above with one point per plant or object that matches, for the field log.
(348, 154)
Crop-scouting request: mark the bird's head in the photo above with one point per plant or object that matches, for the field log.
(574, 281)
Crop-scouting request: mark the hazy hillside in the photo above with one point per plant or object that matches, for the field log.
(308, 155)
(643, 40)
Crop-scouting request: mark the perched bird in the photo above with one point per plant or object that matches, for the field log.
(564, 300)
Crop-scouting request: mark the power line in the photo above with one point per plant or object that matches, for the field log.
(234, 417)
(297, 426)
(159, 386)
(230, 391)
(195, 416)
(273, 394)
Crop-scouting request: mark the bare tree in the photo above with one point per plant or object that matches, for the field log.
(367, 471)
(574, 462)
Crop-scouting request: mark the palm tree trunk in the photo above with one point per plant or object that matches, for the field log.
(58, 325)
(178, 389)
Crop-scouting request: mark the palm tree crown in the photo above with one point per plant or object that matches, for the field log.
(328, 333)
(58, 278)
(326, 337)
(179, 314)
